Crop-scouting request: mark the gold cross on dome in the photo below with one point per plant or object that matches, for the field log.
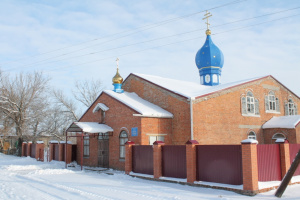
(207, 15)
(117, 63)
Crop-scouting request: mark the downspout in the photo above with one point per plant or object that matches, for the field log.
(191, 111)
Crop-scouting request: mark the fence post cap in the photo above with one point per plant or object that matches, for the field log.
(158, 143)
(192, 142)
(129, 142)
(249, 141)
(281, 141)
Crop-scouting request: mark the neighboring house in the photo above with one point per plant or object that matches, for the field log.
(147, 108)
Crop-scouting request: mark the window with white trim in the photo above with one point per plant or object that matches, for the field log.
(278, 136)
(252, 135)
(86, 146)
(272, 102)
(250, 105)
(291, 108)
(152, 139)
(123, 139)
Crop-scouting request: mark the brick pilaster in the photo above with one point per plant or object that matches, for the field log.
(23, 149)
(128, 156)
(39, 151)
(51, 156)
(157, 159)
(284, 157)
(29, 149)
(69, 153)
(250, 169)
(191, 160)
(61, 152)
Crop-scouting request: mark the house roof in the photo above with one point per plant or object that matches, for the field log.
(89, 127)
(143, 107)
(290, 121)
(190, 89)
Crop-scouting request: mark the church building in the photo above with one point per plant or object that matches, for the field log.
(145, 108)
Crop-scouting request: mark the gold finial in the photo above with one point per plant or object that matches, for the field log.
(207, 15)
(117, 78)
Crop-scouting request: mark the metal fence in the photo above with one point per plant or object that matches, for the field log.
(268, 161)
(294, 148)
(174, 161)
(219, 164)
(142, 159)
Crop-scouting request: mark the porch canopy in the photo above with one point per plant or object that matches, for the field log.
(89, 127)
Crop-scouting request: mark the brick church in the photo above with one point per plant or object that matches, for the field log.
(145, 108)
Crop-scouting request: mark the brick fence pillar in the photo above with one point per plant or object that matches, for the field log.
(24, 148)
(249, 165)
(61, 152)
(69, 153)
(39, 151)
(128, 156)
(284, 156)
(191, 160)
(157, 159)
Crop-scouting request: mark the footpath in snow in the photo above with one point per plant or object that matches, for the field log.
(26, 178)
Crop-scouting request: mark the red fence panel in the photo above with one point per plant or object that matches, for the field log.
(268, 161)
(32, 150)
(25, 149)
(294, 148)
(219, 164)
(55, 152)
(174, 161)
(142, 159)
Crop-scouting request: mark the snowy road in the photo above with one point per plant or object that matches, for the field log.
(25, 178)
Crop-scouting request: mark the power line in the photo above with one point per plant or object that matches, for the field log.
(147, 41)
(154, 25)
(240, 28)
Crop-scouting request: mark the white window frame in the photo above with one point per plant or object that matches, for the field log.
(86, 146)
(122, 142)
(156, 138)
(291, 107)
(252, 135)
(250, 105)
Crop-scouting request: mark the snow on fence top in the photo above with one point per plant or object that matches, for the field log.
(290, 121)
(40, 142)
(190, 89)
(145, 108)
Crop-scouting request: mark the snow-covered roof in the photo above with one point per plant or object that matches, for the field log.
(290, 121)
(145, 108)
(100, 106)
(190, 89)
(89, 127)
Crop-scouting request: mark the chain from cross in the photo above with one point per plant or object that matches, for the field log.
(207, 15)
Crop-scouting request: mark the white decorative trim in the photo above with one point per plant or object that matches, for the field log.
(251, 141)
(250, 115)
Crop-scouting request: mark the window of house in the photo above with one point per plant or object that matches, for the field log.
(250, 105)
(278, 136)
(271, 102)
(152, 139)
(86, 146)
(291, 108)
(123, 139)
(252, 135)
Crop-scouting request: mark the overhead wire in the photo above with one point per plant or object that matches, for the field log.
(154, 25)
(235, 29)
(147, 41)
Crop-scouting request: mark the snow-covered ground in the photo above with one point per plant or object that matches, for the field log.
(25, 178)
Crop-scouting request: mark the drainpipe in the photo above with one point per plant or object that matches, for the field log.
(191, 111)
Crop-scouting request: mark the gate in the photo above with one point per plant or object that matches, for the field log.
(103, 151)
(294, 148)
(55, 152)
(174, 161)
(219, 164)
(74, 153)
(142, 159)
(268, 161)
(32, 150)
(25, 149)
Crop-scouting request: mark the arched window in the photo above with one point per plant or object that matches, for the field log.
(250, 105)
(123, 139)
(278, 136)
(252, 135)
(291, 108)
(272, 102)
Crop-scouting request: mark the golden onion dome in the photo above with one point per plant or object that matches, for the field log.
(117, 78)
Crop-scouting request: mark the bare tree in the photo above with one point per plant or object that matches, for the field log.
(21, 96)
(87, 91)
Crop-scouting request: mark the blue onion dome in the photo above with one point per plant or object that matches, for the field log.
(209, 55)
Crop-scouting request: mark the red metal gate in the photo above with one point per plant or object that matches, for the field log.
(219, 164)
(32, 150)
(55, 152)
(294, 148)
(174, 161)
(25, 149)
(142, 159)
(268, 161)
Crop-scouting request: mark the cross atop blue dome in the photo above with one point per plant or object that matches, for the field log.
(209, 60)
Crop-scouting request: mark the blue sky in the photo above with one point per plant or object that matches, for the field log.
(61, 38)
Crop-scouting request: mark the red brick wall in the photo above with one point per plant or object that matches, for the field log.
(176, 104)
(290, 135)
(218, 118)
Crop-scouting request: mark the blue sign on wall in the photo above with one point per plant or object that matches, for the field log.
(134, 131)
